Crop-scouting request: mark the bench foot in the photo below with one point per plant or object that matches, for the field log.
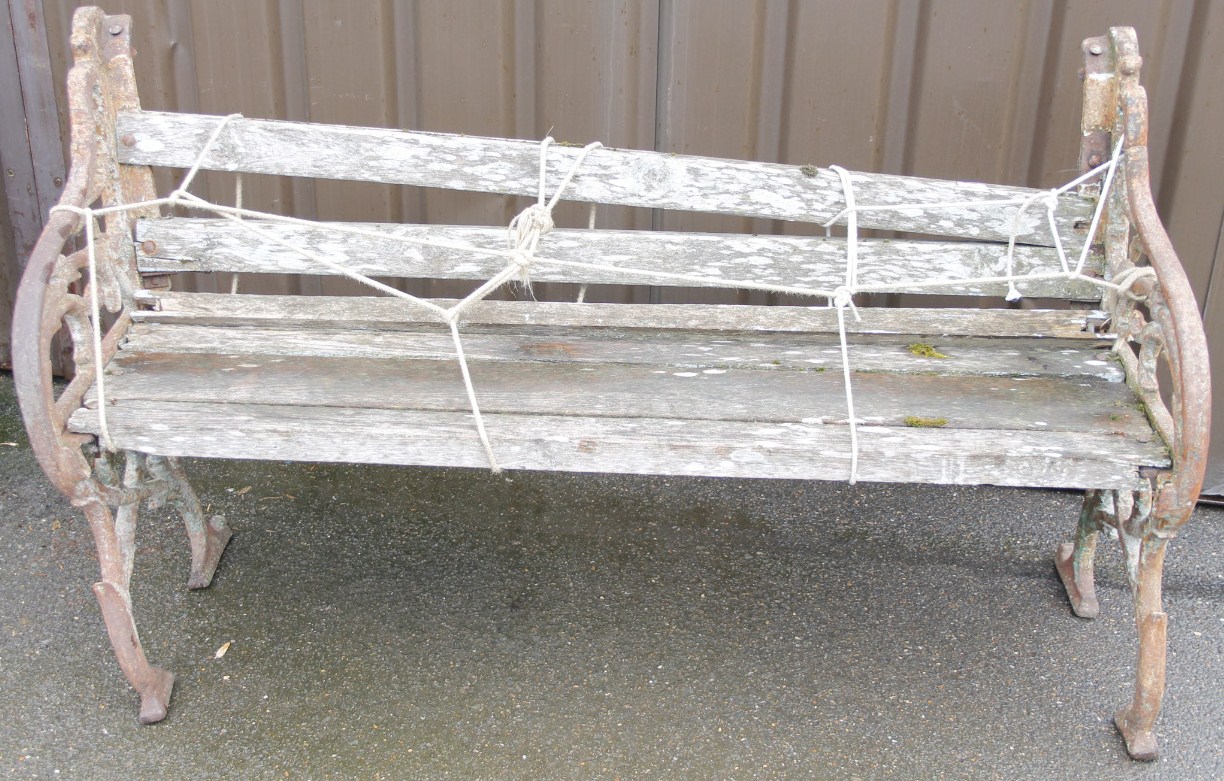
(1081, 589)
(1136, 722)
(1140, 742)
(206, 552)
(208, 537)
(1074, 561)
(152, 683)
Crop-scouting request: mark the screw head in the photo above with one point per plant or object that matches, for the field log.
(148, 246)
(128, 139)
(1096, 48)
(116, 29)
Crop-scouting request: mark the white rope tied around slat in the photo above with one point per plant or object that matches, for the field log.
(582, 289)
(843, 297)
(95, 316)
(527, 228)
(237, 205)
(95, 313)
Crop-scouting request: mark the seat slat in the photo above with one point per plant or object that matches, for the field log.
(638, 445)
(210, 245)
(590, 388)
(668, 349)
(383, 312)
(613, 176)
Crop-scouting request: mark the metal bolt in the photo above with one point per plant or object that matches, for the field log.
(148, 246)
(128, 139)
(59, 182)
(116, 29)
(1095, 48)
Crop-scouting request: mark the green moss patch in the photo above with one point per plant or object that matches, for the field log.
(924, 350)
(917, 421)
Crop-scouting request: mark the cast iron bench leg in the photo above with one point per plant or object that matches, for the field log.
(1137, 721)
(208, 536)
(1075, 560)
(152, 683)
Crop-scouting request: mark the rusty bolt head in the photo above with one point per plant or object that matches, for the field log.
(1095, 48)
(148, 246)
(59, 182)
(116, 29)
(1095, 159)
(128, 139)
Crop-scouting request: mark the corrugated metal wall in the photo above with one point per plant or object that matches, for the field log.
(948, 88)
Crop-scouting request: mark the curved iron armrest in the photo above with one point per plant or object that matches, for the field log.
(100, 83)
(1172, 331)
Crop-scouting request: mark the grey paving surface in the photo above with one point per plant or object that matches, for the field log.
(410, 623)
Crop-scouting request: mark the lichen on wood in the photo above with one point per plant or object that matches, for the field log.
(924, 350)
(917, 421)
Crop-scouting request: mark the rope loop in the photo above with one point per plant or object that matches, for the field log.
(1127, 280)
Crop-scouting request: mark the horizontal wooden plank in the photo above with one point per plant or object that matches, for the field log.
(614, 176)
(386, 313)
(210, 245)
(638, 446)
(669, 349)
(628, 390)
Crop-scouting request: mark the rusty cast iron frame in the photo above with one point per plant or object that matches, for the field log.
(1158, 322)
(100, 84)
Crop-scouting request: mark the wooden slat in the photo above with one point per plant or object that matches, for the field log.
(668, 349)
(210, 245)
(638, 446)
(651, 390)
(382, 312)
(633, 178)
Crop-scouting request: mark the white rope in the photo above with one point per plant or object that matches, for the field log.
(95, 315)
(1100, 206)
(237, 205)
(582, 289)
(844, 297)
(528, 227)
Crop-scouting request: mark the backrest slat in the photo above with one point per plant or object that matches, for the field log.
(611, 176)
(384, 313)
(217, 245)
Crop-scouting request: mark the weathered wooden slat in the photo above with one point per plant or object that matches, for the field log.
(631, 390)
(668, 349)
(385, 313)
(638, 446)
(190, 244)
(614, 176)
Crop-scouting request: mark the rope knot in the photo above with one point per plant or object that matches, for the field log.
(843, 297)
(529, 225)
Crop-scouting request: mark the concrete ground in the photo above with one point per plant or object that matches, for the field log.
(420, 623)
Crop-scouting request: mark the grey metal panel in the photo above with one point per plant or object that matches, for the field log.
(9, 272)
(30, 151)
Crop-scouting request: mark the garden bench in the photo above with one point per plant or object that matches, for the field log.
(818, 386)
